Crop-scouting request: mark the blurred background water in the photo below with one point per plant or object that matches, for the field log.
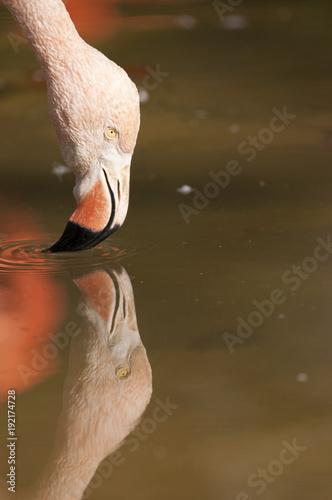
(211, 76)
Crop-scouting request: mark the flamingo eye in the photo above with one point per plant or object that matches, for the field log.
(111, 133)
(122, 373)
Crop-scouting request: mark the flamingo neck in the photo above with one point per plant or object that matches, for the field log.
(48, 28)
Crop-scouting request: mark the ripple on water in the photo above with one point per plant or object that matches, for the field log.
(27, 255)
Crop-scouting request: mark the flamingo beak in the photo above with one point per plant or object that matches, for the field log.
(100, 213)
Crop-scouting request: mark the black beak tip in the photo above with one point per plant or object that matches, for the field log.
(76, 238)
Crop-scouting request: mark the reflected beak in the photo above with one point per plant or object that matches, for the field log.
(99, 214)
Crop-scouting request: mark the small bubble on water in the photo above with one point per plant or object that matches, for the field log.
(234, 128)
(186, 22)
(144, 95)
(302, 377)
(234, 22)
(185, 189)
(202, 114)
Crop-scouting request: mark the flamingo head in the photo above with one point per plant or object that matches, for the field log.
(94, 107)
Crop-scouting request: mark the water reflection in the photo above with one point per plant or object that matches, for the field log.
(31, 306)
(107, 387)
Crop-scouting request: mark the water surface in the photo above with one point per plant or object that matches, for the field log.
(236, 405)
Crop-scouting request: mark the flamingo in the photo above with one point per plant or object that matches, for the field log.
(94, 107)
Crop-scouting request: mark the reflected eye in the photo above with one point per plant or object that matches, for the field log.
(111, 133)
(122, 372)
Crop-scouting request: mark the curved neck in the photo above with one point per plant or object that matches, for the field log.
(48, 28)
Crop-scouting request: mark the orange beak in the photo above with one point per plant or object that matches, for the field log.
(92, 221)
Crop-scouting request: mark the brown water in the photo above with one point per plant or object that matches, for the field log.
(241, 397)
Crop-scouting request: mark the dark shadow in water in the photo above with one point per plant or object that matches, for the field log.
(107, 387)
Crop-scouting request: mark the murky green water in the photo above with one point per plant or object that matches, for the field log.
(238, 339)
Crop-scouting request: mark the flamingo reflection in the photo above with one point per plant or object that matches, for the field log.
(107, 387)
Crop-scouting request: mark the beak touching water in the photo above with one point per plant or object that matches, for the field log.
(99, 214)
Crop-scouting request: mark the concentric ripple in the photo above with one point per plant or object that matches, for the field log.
(27, 256)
